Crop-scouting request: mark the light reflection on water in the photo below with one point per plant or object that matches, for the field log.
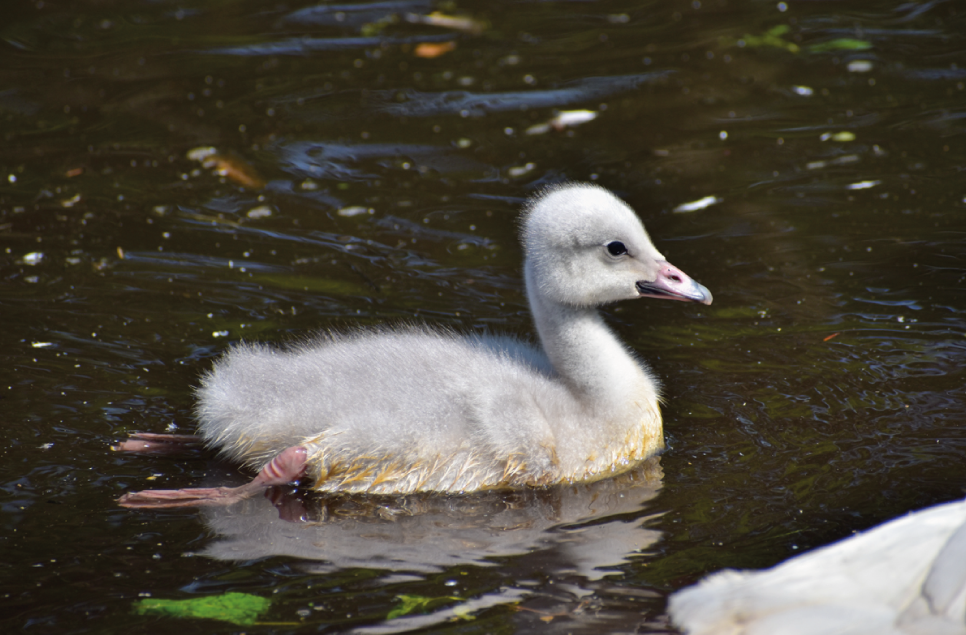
(820, 394)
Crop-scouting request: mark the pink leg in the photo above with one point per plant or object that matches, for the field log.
(288, 466)
(150, 442)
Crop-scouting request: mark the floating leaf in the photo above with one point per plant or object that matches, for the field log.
(238, 608)
(413, 603)
(841, 44)
(771, 37)
(430, 50)
(229, 167)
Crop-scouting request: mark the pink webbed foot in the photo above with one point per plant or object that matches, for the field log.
(151, 443)
(288, 466)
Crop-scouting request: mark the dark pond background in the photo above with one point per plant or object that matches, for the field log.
(372, 171)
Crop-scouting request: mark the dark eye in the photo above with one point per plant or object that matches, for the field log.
(616, 248)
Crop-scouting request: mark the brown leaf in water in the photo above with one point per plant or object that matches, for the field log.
(829, 337)
(239, 172)
(430, 50)
(229, 167)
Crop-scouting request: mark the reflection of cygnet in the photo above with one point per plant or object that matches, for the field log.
(588, 528)
(573, 534)
(902, 578)
(419, 409)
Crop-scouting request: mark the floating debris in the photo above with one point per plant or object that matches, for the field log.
(862, 185)
(202, 154)
(229, 167)
(841, 44)
(842, 160)
(237, 608)
(771, 37)
(860, 66)
(521, 170)
(804, 91)
(418, 604)
(70, 202)
(436, 18)
(699, 204)
(262, 211)
(355, 210)
(838, 136)
(430, 50)
(33, 258)
(564, 119)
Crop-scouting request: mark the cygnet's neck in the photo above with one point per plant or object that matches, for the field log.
(598, 369)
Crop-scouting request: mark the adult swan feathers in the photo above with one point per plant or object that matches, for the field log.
(417, 409)
(905, 577)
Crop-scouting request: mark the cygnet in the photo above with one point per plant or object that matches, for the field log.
(423, 409)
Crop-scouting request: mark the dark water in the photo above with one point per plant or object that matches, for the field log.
(368, 183)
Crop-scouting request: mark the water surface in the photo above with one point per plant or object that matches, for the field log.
(804, 161)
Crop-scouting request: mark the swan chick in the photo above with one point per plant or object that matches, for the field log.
(420, 409)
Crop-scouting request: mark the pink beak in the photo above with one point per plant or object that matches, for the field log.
(673, 284)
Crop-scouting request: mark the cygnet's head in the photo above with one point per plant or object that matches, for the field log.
(586, 247)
